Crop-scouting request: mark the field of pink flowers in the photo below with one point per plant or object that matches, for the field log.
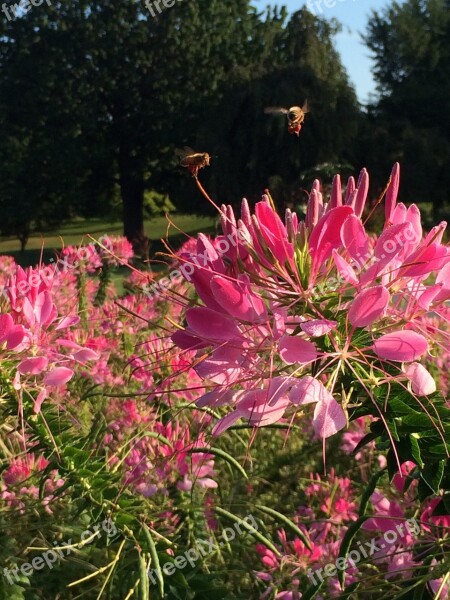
(267, 420)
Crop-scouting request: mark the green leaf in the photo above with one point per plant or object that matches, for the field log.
(415, 450)
(256, 534)
(222, 454)
(346, 543)
(365, 498)
(144, 583)
(313, 590)
(433, 474)
(155, 559)
(292, 526)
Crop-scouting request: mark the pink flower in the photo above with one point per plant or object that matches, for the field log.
(402, 346)
(368, 306)
(422, 383)
(58, 376)
(294, 349)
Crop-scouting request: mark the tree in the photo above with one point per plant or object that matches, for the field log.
(410, 43)
(97, 95)
(118, 83)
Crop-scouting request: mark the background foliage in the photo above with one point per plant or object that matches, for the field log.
(96, 96)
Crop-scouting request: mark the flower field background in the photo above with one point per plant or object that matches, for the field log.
(267, 418)
(237, 400)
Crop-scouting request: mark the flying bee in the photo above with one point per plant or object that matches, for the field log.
(193, 160)
(295, 116)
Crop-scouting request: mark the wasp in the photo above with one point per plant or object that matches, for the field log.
(193, 160)
(295, 116)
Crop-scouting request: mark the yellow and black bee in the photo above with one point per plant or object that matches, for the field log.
(193, 160)
(295, 115)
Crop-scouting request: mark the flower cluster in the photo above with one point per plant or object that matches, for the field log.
(269, 345)
(324, 518)
(32, 335)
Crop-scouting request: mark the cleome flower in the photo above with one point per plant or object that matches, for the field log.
(318, 312)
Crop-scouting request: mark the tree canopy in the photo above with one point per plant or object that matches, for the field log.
(96, 96)
(410, 120)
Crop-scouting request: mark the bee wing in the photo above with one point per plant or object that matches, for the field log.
(275, 110)
(184, 152)
(305, 107)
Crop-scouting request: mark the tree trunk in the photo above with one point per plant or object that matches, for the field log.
(23, 238)
(132, 192)
(133, 208)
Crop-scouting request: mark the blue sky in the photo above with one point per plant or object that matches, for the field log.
(353, 14)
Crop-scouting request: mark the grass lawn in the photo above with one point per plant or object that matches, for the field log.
(76, 232)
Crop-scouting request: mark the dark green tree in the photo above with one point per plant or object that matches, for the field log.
(410, 120)
(96, 96)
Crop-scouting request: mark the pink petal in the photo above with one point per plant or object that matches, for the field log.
(28, 312)
(6, 324)
(351, 186)
(326, 236)
(308, 390)
(399, 214)
(413, 217)
(44, 308)
(67, 322)
(15, 337)
(85, 355)
(392, 241)
(58, 376)
(425, 260)
(402, 346)
(434, 292)
(392, 192)
(201, 278)
(293, 349)
(238, 300)
(278, 387)
(336, 193)
(255, 407)
(443, 278)
(361, 196)
(187, 342)
(345, 270)
(65, 343)
(209, 254)
(312, 210)
(225, 422)
(422, 383)
(354, 239)
(318, 327)
(33, 366)
(274, 232)
(211, 325)
(368, 306)
(218, 397)
(39, 400)
(329, 418)
(224, 366)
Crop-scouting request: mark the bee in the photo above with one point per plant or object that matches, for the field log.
(295, 116)
(193, 160)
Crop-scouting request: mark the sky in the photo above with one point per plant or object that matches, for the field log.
(353, 15)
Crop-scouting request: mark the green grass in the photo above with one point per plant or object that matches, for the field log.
(76, 233)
